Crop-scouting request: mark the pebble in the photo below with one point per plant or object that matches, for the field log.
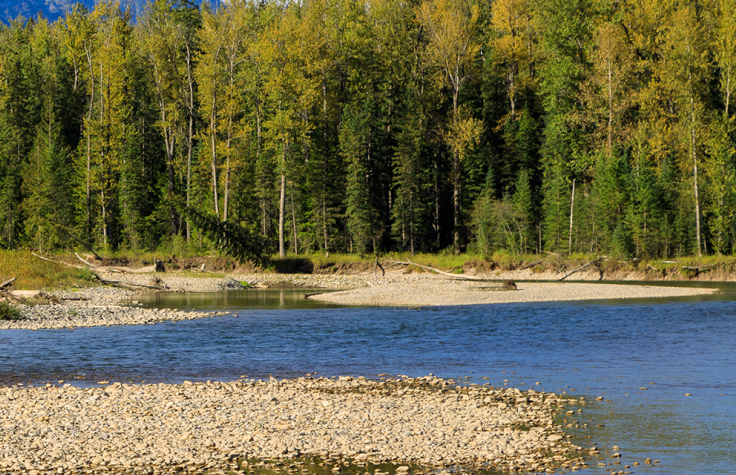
(192, 426)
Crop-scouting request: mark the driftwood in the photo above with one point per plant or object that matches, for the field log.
(437, 271)
(89, 264)
(375, 269)
(530, 265)
(127, 284)
(699, 268)
(575, 271)
(58, 262)
(649, 266)
(7, 283)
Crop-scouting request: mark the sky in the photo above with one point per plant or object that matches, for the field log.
(51, 9)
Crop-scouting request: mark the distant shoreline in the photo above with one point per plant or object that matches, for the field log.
(108, 306)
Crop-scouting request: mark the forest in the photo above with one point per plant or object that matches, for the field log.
(523, 126)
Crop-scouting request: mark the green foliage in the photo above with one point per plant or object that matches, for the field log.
(233, 239)
(8, 312)
(407, 127)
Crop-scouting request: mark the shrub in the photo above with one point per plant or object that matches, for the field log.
(8, 312)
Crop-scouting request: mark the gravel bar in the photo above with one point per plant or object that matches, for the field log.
(445, 292)
(193, 427)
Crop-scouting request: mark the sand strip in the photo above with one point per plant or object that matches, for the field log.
(448, 292)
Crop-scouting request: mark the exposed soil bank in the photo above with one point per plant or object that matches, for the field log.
(192, 427)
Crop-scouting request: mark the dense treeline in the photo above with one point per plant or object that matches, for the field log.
(334, 125)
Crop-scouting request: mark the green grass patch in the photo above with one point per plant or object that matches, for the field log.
(35, 274)
(8, 312)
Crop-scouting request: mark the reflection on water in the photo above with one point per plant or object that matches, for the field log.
(611, 349)
(236, 299)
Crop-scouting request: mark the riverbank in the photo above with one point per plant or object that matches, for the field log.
(106, 306)
(191, 427)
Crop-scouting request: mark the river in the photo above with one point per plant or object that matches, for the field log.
(611, 349)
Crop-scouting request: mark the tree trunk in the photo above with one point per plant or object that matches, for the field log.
(455, 179)
(170, 147)
(190, 131)
(293, 222)
(226, 204)
(728, 88)
(213, 144)
(89, 142)
(282, 203)
(610, 110)
(695, 177)
(325, 166)
(572, 208)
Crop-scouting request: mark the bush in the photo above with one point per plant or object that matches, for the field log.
(8, 312)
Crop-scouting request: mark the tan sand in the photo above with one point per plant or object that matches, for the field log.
(448, 292)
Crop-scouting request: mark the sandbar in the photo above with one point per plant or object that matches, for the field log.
(437, 292)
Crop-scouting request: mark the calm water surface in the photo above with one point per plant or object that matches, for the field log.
(611, 349)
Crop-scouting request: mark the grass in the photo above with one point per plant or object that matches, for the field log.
(8, 312)
(34, 274)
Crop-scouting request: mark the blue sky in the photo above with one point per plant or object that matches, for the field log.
(51, 9)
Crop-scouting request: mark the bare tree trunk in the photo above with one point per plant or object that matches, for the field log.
(695, 176)
(437, 226)
(104, 214)
(572, 208)
(170, 147)
(282, 203)
(213, 144)
(455, 179)
(610, 110)
(728, 89)
(190, 131)
(226, 205)
(324, 162)
(324, 223)
(293, 222)
(89, 142)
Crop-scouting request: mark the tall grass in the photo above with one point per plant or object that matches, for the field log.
(35, 274)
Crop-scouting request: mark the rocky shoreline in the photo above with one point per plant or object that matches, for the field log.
(215, 426)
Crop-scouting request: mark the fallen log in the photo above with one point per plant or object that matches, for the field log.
(533, 264)
(127, 284)
(89, 264)
(7, 282)
(575, 271)
(437, 271)
(58, 262)
(698, 268)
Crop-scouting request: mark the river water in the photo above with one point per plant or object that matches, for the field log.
(671, 347)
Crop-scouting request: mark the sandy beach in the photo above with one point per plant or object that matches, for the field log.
(444, 292)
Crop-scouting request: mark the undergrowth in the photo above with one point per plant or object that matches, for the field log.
(35, 274)
(8, 312)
